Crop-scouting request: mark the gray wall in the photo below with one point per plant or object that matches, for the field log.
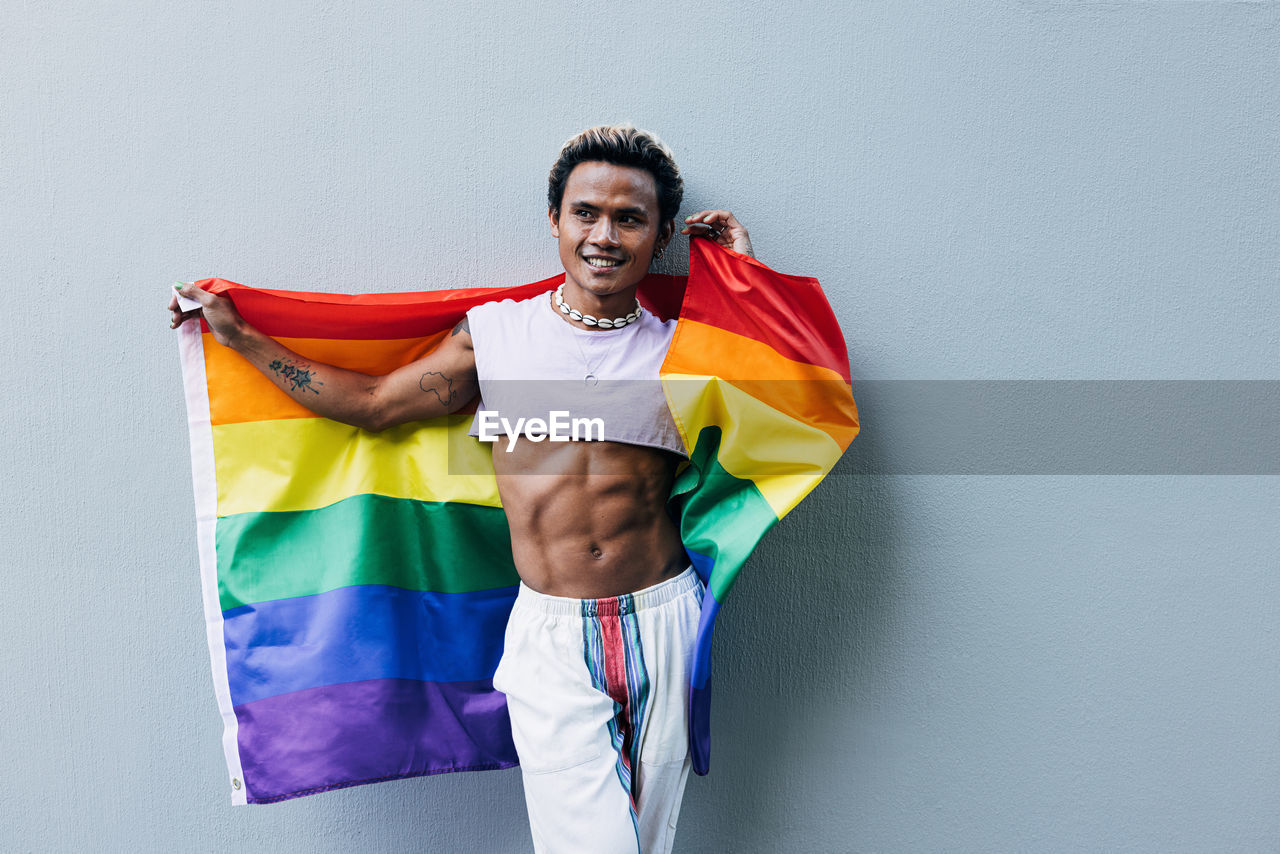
(916, 660)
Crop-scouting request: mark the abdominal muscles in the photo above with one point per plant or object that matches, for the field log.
(588, 519)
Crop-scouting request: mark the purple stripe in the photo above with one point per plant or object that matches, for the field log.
(364, 732)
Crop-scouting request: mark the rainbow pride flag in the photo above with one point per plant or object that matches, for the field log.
(356, 585)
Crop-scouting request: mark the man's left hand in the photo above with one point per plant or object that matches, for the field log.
(724, 229)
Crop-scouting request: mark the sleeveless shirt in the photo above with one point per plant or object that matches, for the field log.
(531, 363)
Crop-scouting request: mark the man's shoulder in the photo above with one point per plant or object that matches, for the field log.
(506, 323)
(505, 307)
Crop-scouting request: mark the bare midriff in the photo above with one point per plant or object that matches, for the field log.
(588, 519)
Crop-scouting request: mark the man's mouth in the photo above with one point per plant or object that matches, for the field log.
(603, 263)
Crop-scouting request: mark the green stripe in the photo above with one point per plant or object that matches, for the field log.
(720, 515)
(440, 547)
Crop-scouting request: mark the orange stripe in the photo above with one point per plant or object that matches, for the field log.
(811, 394)
(238, 392)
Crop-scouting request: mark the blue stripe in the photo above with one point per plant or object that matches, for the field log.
(637, 689)
(700, 687)
(702, 564)
(370, 631)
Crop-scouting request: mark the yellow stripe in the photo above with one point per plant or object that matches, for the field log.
(791, 457)
(305, 463)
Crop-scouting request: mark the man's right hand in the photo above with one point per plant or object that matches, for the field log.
(218, 311)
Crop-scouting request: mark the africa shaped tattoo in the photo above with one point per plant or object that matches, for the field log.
(432, 386)
(299, 376)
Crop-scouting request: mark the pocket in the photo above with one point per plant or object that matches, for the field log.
(558, 720)
(669, 658)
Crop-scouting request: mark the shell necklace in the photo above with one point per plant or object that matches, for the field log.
(602, 322)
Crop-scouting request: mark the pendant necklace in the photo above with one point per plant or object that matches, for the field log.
(590, 378)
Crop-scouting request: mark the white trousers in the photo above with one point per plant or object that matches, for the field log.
(598, 693)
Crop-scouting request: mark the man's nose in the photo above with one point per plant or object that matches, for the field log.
(604, 233)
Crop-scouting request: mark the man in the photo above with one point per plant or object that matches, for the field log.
(597, 650)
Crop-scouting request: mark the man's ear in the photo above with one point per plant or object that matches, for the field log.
(666, 233)
(554, 216)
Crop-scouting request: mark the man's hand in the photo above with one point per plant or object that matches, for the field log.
(722, 227)
(440, 382)
(219, 312)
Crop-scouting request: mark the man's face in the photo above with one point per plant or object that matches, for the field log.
(608, 227)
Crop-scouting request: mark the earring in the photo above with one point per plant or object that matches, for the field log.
(661, 250)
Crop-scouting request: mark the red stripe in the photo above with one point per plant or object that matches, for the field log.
(662, 294)
(302, 314)
(613, 646)
(298, 314)
(615, 656)
(788, 313)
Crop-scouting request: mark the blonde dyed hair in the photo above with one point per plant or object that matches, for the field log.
(622, 145)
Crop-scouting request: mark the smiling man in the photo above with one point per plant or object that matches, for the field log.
(598, 646)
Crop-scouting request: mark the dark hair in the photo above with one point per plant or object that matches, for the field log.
(622, 145)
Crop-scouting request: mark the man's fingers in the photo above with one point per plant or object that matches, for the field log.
(191, 293)
(701, 228)
(177, 318)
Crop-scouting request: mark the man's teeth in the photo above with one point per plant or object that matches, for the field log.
(602, 262)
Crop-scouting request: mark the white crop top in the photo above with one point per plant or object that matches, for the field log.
(531, 364)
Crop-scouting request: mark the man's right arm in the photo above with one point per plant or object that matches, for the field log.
(441, 382)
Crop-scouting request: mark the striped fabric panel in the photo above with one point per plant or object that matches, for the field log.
(615, 661)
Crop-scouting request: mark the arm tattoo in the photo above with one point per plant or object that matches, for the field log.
(443, 392)
(299, 377)
(463, 326)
